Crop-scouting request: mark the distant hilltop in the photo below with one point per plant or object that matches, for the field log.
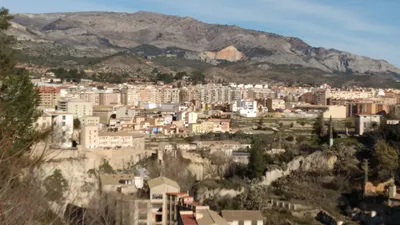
(101, 34)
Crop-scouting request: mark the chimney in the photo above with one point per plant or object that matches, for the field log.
(392, 191)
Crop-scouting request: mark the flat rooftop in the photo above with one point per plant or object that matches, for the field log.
(134, 134)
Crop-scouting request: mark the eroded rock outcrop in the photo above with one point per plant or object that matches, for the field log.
(317, 161)
(80, 185)
(230, 54)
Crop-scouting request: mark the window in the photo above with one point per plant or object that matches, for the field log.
(63, 117)
(64, 133)
(158, 218)
(247, 222)
(63, 124)
(157, 196)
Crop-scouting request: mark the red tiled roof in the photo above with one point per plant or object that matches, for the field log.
(51, 88)
(188, 220)
(48, 89)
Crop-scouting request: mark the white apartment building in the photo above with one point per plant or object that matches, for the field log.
(364, 123)
(77, 107)
(191, 117)
(352, 94)
(62, 125)
(245, 108)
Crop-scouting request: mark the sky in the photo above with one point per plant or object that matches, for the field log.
(365, 27)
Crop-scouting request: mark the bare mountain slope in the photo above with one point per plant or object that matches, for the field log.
(102, 33)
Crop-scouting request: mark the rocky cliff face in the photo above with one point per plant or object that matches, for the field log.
(230, 54)
(317, 161)
(81, 185)
(102, 33)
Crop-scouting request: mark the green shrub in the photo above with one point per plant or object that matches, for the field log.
(55, 186)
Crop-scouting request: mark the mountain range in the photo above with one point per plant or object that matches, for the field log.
(182, 43)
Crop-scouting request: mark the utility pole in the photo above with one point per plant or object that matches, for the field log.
(365, 168)
(280, 138)
(330, 132)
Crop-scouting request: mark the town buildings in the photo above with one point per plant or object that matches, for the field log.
(275, 104)
(120, 183)
(366, 122)
(61, 125)
(245, 217)
(49, 96)
(159, 187)
(92, 137)
(202, 108)
(77, 107)
(168, 205)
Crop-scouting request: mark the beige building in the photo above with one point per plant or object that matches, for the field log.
(110, 98)
(159, 187)
(126, 184)
(170, 95)
(77, 107)
(130, 96)
(93, 97)
(321, 97)
(364, 123)
(89, 120)
(150, 94)
(186, 95)
(104, 112)
(243, 217)
(49, 97)
(90, 136)
(132, 211)
(121, 139)
(352, 94)
(335, 111)
(275, 103)
(183, 210)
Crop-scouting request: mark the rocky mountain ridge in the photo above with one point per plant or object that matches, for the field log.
(98, 34)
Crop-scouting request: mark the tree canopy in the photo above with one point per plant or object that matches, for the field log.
(386, 160)
(257, 165)
(18, 98)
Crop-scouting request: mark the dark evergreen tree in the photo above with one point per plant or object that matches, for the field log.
(18, 98)
(257, 165)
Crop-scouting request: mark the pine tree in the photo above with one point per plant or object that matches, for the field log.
(18, 98)
(257, 165)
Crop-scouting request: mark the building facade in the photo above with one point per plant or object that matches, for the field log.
(365, 122)
(76, 107)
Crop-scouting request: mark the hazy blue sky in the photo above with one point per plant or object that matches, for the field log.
(365, 27)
